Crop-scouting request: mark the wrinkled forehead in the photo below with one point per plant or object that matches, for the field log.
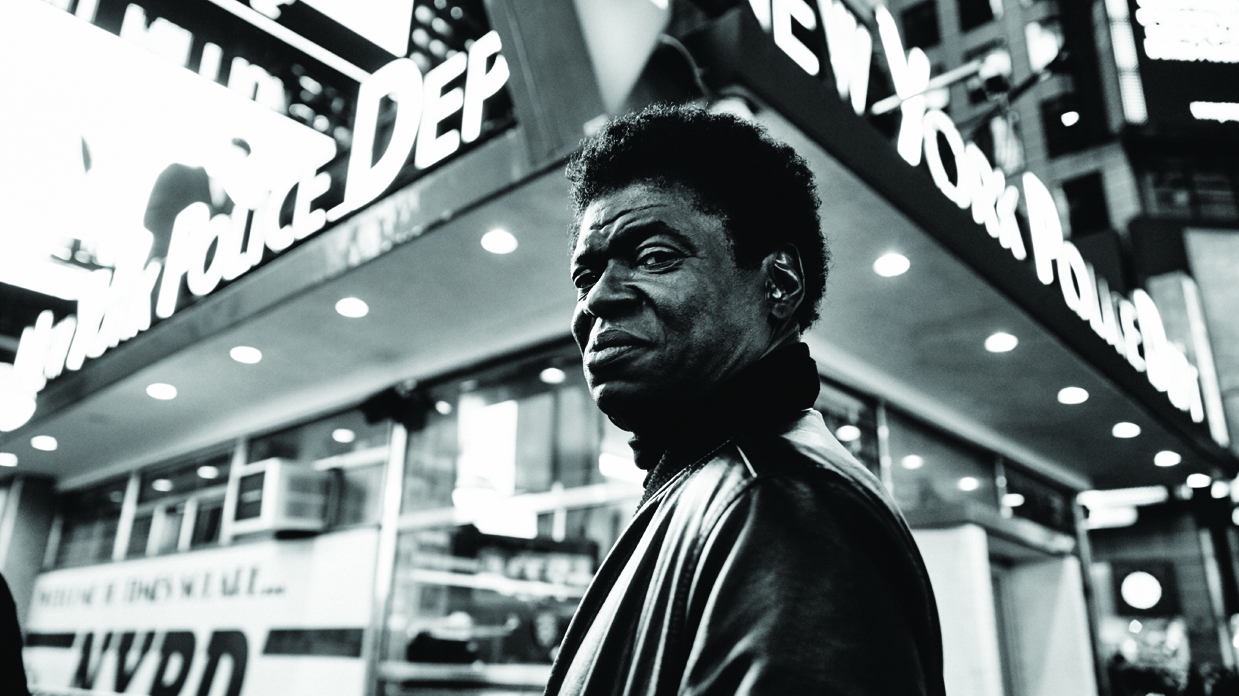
(609, 216)
(666, 190)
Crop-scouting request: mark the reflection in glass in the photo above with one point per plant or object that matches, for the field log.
(90, 519)
(934, 471)
(852, 420)
(513, 490)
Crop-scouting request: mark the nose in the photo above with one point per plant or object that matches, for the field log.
(612, 295)
(609, 298)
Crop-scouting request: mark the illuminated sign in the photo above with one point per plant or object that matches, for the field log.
(181, 184)
(249, 619)
(1178, 60)
(1132, 326)
(1190, 30)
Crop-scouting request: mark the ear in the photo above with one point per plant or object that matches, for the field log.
(784, 283)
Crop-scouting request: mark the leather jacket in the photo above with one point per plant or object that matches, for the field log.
(774, 564)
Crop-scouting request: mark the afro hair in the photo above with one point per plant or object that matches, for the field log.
(761, 189)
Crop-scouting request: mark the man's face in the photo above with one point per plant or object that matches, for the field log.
(663, 313)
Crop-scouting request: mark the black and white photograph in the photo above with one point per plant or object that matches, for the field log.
(619, 347)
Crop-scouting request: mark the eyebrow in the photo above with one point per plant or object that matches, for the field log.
(629, 237)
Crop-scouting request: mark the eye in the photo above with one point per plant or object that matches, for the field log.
(656, 257)
(584, 280)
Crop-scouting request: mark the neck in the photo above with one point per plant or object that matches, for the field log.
(672, 414)
(765, 395)
(783, 381)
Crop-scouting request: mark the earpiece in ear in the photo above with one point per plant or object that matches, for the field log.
(784, 283)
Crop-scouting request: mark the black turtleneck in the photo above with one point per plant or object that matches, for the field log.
(764, 394)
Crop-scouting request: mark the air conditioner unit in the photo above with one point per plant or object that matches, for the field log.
(280, 496)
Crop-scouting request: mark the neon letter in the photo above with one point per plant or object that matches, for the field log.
(937, 122)
(180, 255)
(366, 178)
(1131, 335)
(783, 12)
(432, 147)
(481, 84)
(851, 50)
(910, 74)
(1155, 344)
(1047, 229)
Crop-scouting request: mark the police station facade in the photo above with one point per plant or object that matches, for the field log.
(424, 503)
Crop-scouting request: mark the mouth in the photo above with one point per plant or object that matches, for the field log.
(609, 346)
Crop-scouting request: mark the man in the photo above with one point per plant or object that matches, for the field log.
(12, 668)
(763, 559)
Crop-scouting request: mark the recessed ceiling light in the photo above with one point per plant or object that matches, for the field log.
(499, 241)
(246, 354)
(552, 375)
(1125, 430)
(1013, 500)
(343, 435)
(443, 407)
(352, 307)
(969, 483)
(47, 443)
(1072, 395)
(162, 485)
(912, 461)
(1220, 489)
(1167, 458)
(1070, 118)
(1199, 480)
(847, 433)
(208, 472)
(891, 265)
(1001, 342)
(161, 391)
(8, 459)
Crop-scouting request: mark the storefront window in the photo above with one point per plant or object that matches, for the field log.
(353, 451)
(853, 423)
(184, 478)
(332, 438)
(932, 471)
(90, 520)
(515, 433)
(179, 506)
(1033, 499)
(514, 490)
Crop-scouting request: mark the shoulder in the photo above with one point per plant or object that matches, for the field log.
(802, 469)
(801, 472)
(805, 453)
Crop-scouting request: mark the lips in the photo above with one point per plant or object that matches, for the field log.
(610, 345)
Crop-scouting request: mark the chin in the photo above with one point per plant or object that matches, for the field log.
(621, 401)
(631, 406)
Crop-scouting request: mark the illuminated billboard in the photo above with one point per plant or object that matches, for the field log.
(164, 149)
(1178, 60)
